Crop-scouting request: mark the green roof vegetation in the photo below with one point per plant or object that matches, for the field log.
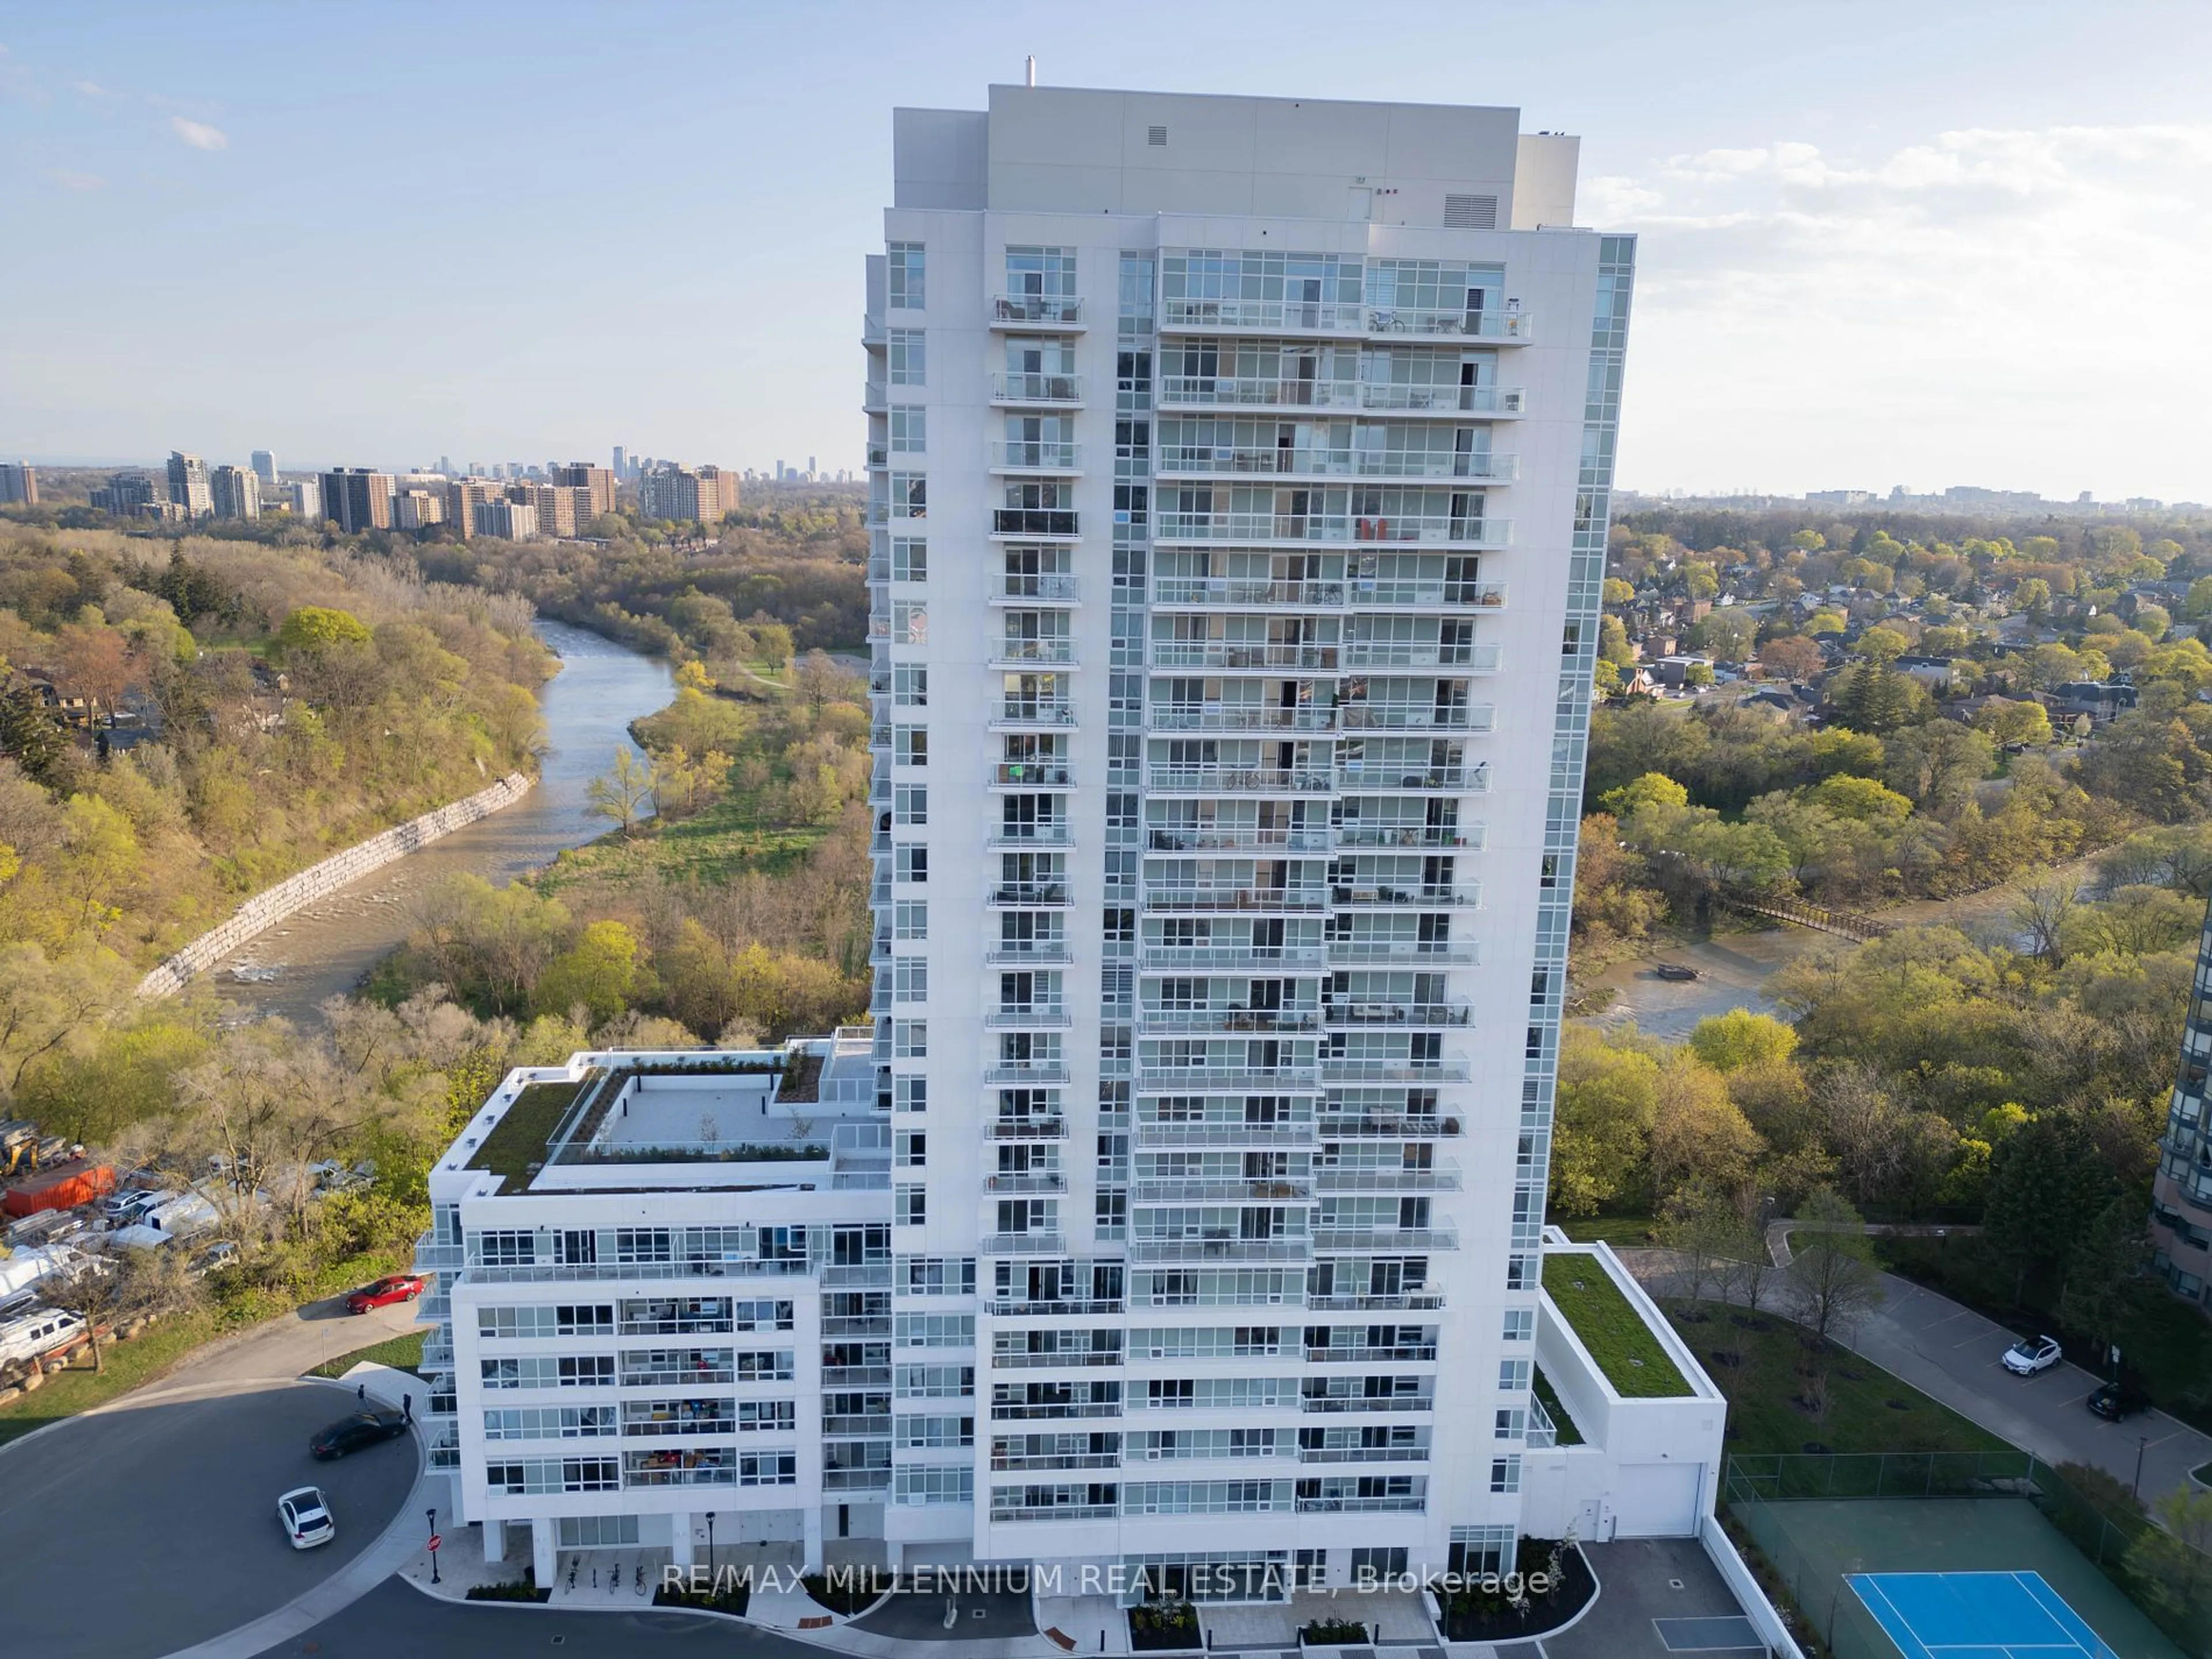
(518, 1139)
(1625, 1349)
(1562, 1423)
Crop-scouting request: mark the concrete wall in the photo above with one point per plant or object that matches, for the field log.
(271, 905)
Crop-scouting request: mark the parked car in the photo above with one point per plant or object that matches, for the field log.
(2032, 1354)
(399, 1287)
(38, 1332)
(214, 1256)
(351, 1433)
(305, 1515)
(2117, 1400)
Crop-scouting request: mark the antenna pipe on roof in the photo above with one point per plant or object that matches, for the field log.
(1029, 69)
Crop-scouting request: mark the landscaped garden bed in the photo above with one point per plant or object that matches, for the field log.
(1510, 1608)
(1163, 1627)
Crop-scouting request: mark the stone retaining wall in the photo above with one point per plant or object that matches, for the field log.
(266, 908)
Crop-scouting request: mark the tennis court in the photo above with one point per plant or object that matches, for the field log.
(1976, 1615)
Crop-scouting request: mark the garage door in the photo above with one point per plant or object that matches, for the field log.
(1656, 1500)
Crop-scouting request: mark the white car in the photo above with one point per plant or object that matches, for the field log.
(306, 1516)
(2032, 1354)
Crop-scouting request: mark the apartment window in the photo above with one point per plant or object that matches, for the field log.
(1512, 1423)
(934, 1382)
(758, 1416)
(507, 1248)
(586, 1532)
(915, 1330)
(906, 277)
(910, 1149)
(910, 804)
(910, 745)
(1520, 1324)
(1372, 1564)
(909, 979)
(910, 429)
(1111, 1211)
(1505, 1475)
(909, 496)
(910, 1094)
(1512, 1377)
(1035, 271)
(935, 1433)
(767, 1469)
(911, 918)
(910, 1039)
(910, 622)
(910, 686)
(909, 863)
(909, 349)
(910, 1205)
(933, 1484)
(910, 559)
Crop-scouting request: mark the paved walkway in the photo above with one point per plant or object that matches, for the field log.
(1951, 1353)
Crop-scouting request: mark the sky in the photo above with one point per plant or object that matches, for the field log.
(1928, 243)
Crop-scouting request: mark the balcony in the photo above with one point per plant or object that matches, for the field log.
(1026, 1129)
(1352, 1403)
(1223, 654)
(1030, 523)
(1361, 898)
(1010, 1413)
(1434, 529)
(1298, 1077)
(1397, 1013)
(1377, 654)
(1027, 1071)
(1362, 1455)
(1033, 711)
(1049, 893)
(1208, 460)
(1038, 390)
(1378, 1301)
(1457, 321)
(1369, 592)
(1444, 1178)
(1010, 1464)
(1170, 958)
(1218, 1250)
(1418, 1353)
(1059, 311)
(1023, 1245)
(1157, 1021)
(1232, 391)
(1022, 585)
(1358, 778)
(1237, 717)
(1415, 717)
(1030, 1016)
(1032, 953)
(1290, 1133)
(1385, 1238)
(1060, 456)
(1014, 656)
(1030, 775)
(432, 1257)
(1403, 1505)
(1025, 1308)
(1351, 1126)
(1409, 836)
(1015, 837)
(1016, 1185)
(1245, 591)
(874, 399)
(1236, 781)
(1233, 838)
(1216, 1191)
(1419, 953)
(1262, 316)
(1452, 1070)
(1269, 900)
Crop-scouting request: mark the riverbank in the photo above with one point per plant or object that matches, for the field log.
(327, 948)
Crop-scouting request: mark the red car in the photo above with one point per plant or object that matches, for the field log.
(400, 1287)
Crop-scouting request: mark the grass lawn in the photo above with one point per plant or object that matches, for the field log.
(124, 1366)
(401, 1353)
(1766, 1393)
(1613, 1230)
(518, 1140)
(717, 845)
(1624, 1347)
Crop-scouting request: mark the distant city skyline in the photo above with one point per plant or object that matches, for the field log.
(1960, 250)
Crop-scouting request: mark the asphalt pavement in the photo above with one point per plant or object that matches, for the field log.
(133, 1532)
(395, 1618)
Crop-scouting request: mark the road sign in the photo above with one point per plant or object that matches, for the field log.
(435, 1541)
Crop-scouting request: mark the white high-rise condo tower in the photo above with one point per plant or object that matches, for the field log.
(1239, 478)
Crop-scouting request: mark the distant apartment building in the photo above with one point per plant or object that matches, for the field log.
(563, 509)
(418, 509)
(464, 497)
(304, 497)
(188, 484)
(2181, 1192)
(19, 484)
(234, 493)
(512, 521)
(680, 493)
(356, 499)
(1839, 497)
(126, 494)
(265, 467)
(599, 480)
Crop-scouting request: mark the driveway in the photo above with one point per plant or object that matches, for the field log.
(137, 1531)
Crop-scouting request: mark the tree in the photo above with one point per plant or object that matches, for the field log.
(2043, 910)
(1882, 645)
(1792, 656)
(625, 794)
(598, 974)
(315, 628)
(1741, 1038)
(120, 1287)
(1729, 633)
(1607, 1094)
(1697, 1132)
(2009, 722)
(1696, 676)
(2047, 1184)
(1936, 766)
(2174, 1560)
(2105, 1282)
(1870, 696)
(31, 735)
(1617, 594)
(1651, 789)
(1831, 1269)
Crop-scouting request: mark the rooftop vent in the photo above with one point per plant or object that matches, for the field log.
(1158, 136)
(1470, 213)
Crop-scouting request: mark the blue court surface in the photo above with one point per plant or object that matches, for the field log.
(1976, 1615)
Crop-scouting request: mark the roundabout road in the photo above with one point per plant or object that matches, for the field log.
(135, 1532)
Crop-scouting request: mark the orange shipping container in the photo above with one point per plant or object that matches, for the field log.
(63, 1190)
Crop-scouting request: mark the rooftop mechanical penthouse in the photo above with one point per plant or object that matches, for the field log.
(1239, 475)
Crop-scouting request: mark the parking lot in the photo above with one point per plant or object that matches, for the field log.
(140, 1531)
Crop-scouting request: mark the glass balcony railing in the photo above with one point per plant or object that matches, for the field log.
(1237, 779)
(1205, 460)
(1168, 957)
(1380, 653)
(1032, 774)
(1209, 897)
(1424, 953)
(1226, 837)
(1361, 591)
(1244, 591)
(1034, 521)
(1034, 711)
(1397, 1013)
(1223, 654)
(1035, 455)
(1030, 386)
(1415, 717)
(1459, 780)
(1025, 653)
(1358, 894)
(1442, 529)
(1237, 717)
(1026, 1129)
(1344, 317)
(1061, 310)
(1023, 585)
(1245, 392)
(1408, 835)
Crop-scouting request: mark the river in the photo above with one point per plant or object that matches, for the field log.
(326, 948)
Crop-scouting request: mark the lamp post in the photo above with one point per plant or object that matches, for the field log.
(2142, 1444)
(434, 1546)
(710, 1552)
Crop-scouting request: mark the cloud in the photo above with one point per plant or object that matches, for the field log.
(82, 181)
(90, 88)
(1978, 306)
(199, 135)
